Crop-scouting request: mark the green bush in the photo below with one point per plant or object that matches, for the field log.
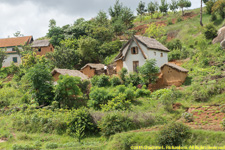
(24, 147)
(174, 134)
(188, 117)
(174, 55)
(82, 120)
(143, 92)
(114, 123)
(169, 22)
(100, 81)
(223, 124)
(179, 19)
(122, 74)
(213, 17)
(117, 103)
(210, 31)
(115, 81)
(132, 78)
(174, 44)
(98, 96)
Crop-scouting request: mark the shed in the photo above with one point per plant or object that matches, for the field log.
(91, 69)
(75, 73)
(42, 46)
(173, 74)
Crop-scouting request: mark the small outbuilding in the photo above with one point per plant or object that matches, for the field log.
(91, 70)
(75, 73)
(42, 46)
(173, 74)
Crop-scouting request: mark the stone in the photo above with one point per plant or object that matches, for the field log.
(220, 37)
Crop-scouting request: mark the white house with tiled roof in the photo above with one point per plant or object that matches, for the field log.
(137, 50)
(10, 44)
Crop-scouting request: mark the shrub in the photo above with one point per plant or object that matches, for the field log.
(114, 123)
(210, 31)
(122, 74)
(67, 90)
(188, 117)
(169, 22)
(174, 44)
(213, 17)
(143, 92)
(98, 96)
(115, 81)
(174, 134)
(100, 81)
(82, 124)
(132, 78)
(84, 87)
(117, 103)
(174, 55)
(24, 147)
(51, 145)
(209, 6)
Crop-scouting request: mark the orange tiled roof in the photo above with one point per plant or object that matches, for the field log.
(15, 41)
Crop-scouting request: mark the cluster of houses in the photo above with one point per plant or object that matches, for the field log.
(132, 55)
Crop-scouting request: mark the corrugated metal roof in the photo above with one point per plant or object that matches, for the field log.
(40, 43)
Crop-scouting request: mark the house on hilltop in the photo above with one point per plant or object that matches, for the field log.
(137, 50)
(93, 69)
(10, 45)
(42, 46)
(75, 73)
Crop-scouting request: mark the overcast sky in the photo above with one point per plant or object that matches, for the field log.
(31, 17)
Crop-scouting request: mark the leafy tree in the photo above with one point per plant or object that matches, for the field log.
(64, 57)
(184, 4)
(88, 49)
(127, 17)
(116, 10)
(31, 59)
(67, 90)
(149, 71)
(107, 49)
(218, 7)
(173, 6)
(3, 56)
(152, 7)
(102, 33)
(102, 18)
(41, 83)
(141, 9)
(119, 27)
(164, 6)
(55, 33)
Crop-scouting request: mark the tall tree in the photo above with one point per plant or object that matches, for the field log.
(173, 6)
(152, 7)
(141, 9)
(164, 6)
(18, 34)
(184, 4)
(115, 11)
(3, 56)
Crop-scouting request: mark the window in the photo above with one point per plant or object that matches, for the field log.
(161, 54)
(15, 59)
(39, 49)
(155, 53)
(135, 65)
(13, 49)
(134, 50)
(50, 49)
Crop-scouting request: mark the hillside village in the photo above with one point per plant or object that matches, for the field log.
(125, 82)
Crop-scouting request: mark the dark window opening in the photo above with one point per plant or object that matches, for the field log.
(39, 49)
(161, 54)
(15, 59)
(13, 49)
(134, 50)
(50, 49)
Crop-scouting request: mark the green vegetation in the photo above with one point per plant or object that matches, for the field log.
(114, 112)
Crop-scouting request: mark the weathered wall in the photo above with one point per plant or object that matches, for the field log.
(88, 71)
(173, 77)
(119, 65)
(7, 62)
(45, 50)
